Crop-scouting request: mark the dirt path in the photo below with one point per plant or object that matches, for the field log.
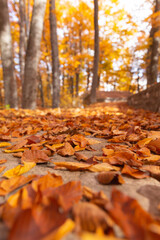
(104, 125)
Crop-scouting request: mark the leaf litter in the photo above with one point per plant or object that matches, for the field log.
(44, 206)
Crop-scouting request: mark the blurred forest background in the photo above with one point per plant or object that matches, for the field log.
(54, 52)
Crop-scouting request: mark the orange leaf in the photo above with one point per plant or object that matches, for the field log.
(89, 217)
(67, 150)
(2, 168)
(154, 145)
(135, 173)
(110, 178)
(3, 161)
(135, 222)
(8, 185)
(37, 156)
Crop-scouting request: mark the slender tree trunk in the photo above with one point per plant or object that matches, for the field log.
(96, 54)
(77, 84)
(29, 88)
(154, 49)
(55, 56)
(41, 90)
(22, 39)
(10, 84)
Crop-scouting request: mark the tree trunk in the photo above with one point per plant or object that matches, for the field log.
(22, 39)
(10, 84)
(41, 90)
(153, 51)
(96, 54)
(77, 83)
(29, 89)
(55, 56)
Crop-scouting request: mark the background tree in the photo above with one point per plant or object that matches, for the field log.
(29, 87)
(10, 85)
(55, 56)
(154, 51)
(96, 54)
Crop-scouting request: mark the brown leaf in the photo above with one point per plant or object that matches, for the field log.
(66, 194)
(89, 217)
(124, 157)
(67, 150)
(153, 170)
(2, 168)
(37, 156)
(135, 173)
(110, 178)
(8, 185)
(38, 221)
(80, 156)
(135, 222)
(154, 145)
(72, 166)
(3, 161)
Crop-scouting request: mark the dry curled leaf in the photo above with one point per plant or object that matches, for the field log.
(110, 178)
(135, 173)
(37, 156)
(66, 150)
(8, 185)
(154, 145)
(89, 217)
(72, 166)
(135, 222)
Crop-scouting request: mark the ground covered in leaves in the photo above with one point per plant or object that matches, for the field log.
(80, 174)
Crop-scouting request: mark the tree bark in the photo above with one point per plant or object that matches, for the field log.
(10, 84)
(153, 51)
(55, 56)
(96, 54)
(22, 39)
(29, 89)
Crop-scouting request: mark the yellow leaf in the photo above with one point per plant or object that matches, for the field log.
(19, 170)
(67, 227)
(92, 236)
(4, 144)
(14, 151)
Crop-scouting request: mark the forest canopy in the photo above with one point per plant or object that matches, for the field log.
(53, 58)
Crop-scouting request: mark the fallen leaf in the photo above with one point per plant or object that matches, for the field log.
(3, 161)
(135, 173)
(2, 168)
(37, 156)
(66, 194)
(19, 170)
(153, 170)
(154, 145)
(63, 230)
(103, 167)
(4, 144)
(80, 157)
(66, 150)
(89, 217)
(110, 178)
(96, 236)
(49, 180)
(135, 222)
(72, 166)
(107, 152)
(8, 185)
(15, 151)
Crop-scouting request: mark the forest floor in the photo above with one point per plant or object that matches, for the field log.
(85, 174)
